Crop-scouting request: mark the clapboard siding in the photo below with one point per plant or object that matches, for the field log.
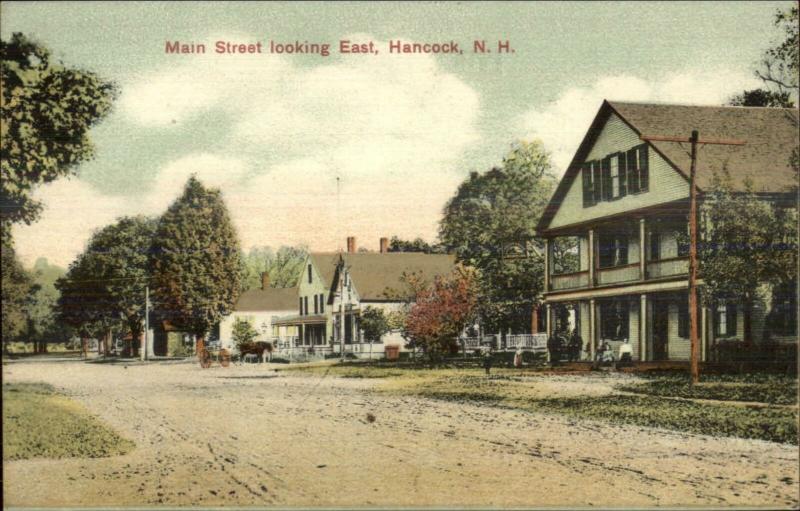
(666, 184)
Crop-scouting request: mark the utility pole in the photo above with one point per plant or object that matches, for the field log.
(143, 349)
(341, 307)
(694, 139)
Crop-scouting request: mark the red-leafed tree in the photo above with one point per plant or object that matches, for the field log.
(441, 312)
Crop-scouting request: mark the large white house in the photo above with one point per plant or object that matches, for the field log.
(625, 201)
(335, 288)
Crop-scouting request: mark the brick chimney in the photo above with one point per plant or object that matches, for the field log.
(351, 244)
(384, 243)
(264, 280)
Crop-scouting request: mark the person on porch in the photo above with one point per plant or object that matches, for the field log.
(575, 346)
(625, 354)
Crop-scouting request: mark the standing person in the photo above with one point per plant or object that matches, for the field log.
(518, 358)
(487, 361)
(575, 346)
(554, 347)
(625, 354)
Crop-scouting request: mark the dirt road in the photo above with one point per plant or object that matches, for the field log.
(246, 436)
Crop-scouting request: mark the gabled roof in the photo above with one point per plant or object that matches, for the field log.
(375, 273)
(771, 134)
(270, 299)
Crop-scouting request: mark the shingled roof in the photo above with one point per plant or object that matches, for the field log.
(770, 135)
(375, 273)
(270, 299)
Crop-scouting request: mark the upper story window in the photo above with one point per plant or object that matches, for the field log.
(615, 176)
(322, 303)
(309, 274)
(612, 250)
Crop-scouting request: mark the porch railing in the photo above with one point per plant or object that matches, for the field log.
(668, 267)
(618, 274)
(570, 280)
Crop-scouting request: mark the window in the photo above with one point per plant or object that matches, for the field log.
(614, 320)
(316, 304)
(305, 304)
(613, 250)
(615, 176)
(683, 319)
(782, 319)
(322, 304)
(301, 305)
(309, 274)
(725, 320)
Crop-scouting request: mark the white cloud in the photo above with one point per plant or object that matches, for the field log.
(562, 123)
(392, 129)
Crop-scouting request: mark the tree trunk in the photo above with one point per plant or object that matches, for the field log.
(84, 347)
(200, 345)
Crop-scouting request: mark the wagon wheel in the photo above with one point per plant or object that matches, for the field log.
(224, 358)
(205, 359)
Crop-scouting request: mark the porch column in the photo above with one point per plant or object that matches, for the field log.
(642, 251)
(703, 334)
(535, 319)
(592, 328)
(591, 258)
(643, 329)
(547, 264)
(300, 336)
(547, 323)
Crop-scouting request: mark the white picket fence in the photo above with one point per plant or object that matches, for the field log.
(532, 342)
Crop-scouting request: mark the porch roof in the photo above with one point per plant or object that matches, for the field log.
(297, 319)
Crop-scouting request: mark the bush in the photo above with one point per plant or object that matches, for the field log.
(279, 360)
(347, 356)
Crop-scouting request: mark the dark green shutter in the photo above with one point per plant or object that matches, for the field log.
(633, 172)
(644, 168)
(607, 192)
(597, 182)
(622, 169)
(588, 193)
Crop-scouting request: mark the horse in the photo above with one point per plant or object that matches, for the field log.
(260, 349)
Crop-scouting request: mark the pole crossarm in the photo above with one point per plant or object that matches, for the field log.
(711, 141)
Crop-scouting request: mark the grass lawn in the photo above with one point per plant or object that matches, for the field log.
(761, 388)
(508, 389)
(39, 423)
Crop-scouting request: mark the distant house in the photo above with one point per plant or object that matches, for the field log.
(260, 307)
(342, 285)
(625, 201)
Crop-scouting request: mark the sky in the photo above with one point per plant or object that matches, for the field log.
(310, 149)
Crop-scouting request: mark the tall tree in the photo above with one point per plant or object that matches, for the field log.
(490, 224)
(47, 111)
(43, 325)
(779, 68)
(283, 267)
(16, 292)
(747, 242)
(196, 261)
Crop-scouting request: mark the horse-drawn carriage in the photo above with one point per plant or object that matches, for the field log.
(251, 352)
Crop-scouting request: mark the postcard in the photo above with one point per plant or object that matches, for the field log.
(400, 254)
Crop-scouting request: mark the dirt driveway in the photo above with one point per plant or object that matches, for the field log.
(246, 436)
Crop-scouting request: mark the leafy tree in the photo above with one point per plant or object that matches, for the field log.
(16, 293)
(283, 267)
(44, 326)
(243, 333)
(417, 245)
(778, 69)
(747, 242)
(196, 261)
(374, 323)
(490, 224)
(47, 111)
(441, 312)
(121, 251)
(83, 301)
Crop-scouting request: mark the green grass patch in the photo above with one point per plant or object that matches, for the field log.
(40, 423)
(763, 423)
(769, 389)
